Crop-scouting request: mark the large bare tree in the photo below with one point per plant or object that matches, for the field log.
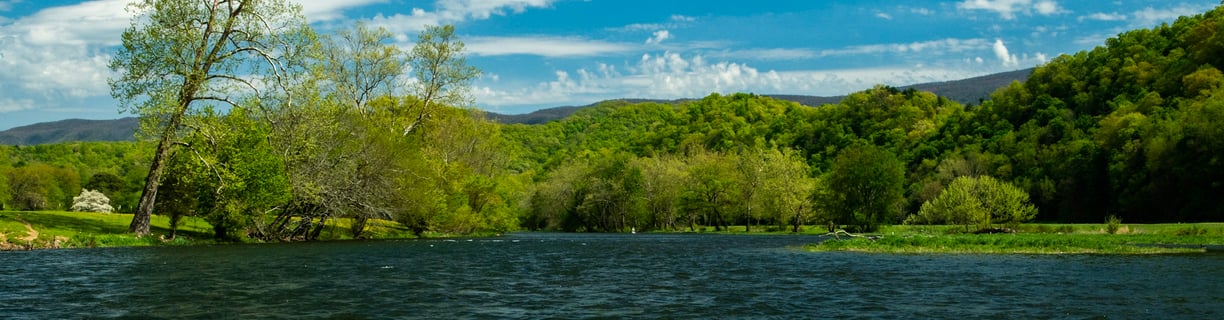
(181, 56)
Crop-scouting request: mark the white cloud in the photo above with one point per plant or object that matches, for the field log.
(672, 76)
(454, 11)
(10, 105)
(87, 23)
(56, 59)
(1149, 17)
(658, 37)
(884, 16)
(543, 46)
(6, 5)
(1041, 57)
(675, 22)
(1046, 7)
(1001, 52)
(922, 11)
(1101, 16)
(936, 46)
(1008, 9)
(327, 10)
(767, 54)
(59, 54)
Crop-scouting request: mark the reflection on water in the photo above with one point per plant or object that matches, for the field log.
(532, 276)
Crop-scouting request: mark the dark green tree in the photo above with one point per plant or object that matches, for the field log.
(866, 184)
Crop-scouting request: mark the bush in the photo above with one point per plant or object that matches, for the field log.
(91, 201)
(1192, 231)
(981, 201)
(1112, 223)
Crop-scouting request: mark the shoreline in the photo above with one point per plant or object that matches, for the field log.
(1026, 243)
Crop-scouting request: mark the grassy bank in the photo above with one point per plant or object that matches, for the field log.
(1037, 239)
(21, 230)
(59, 229)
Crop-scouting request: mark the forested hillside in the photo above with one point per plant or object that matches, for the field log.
(71, 130)
(1131, 129)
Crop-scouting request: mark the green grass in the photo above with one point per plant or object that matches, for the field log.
(88, 229)
(1037, 239)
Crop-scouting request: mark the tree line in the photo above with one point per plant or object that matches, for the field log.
(272, 130)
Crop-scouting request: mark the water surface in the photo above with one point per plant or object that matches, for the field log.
(565, 276)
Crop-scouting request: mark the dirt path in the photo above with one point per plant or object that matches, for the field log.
(31, 234)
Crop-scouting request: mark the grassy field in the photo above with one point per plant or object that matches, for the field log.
(59, 229)
(1038, 239)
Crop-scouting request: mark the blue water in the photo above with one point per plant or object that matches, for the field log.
(565, 276)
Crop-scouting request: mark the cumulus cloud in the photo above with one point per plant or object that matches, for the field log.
(884, 16)
(59, 54)
(1008, 9)
(658, 37)
(1001, 52)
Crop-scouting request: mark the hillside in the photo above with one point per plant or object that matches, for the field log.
(971, 91)
(967, 91)
(1129, 130)
(71, 130)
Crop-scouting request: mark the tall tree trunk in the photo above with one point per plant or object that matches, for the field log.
(797, 221)
(144, 208)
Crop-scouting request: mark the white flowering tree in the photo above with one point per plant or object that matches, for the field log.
(91, 201)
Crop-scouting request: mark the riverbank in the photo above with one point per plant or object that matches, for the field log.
(1037, 239)
(28, 230)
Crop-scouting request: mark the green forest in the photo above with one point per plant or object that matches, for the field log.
(333, 128)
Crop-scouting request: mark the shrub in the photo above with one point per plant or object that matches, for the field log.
(1192, 231)
(91, 201)
(1112, 223)
(981, 201)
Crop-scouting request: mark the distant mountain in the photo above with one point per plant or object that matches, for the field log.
(966, 91)
(71, 130)
(973, 90)
(550, 114)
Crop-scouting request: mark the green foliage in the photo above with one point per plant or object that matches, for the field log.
(982, 201)
(1112, 224)
(866, 187)
(1130, 128)
(1006, 244)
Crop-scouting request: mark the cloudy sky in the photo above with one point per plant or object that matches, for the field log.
(547, 53)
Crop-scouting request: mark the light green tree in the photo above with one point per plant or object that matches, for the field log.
(787, 189)
(979, 201)
(179, 56)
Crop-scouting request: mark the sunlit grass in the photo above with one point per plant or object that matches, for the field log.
(1037, 239)
(89, 229)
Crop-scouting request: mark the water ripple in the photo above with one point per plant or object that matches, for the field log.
(566, 276)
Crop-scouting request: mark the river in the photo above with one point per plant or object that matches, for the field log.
(566, 276)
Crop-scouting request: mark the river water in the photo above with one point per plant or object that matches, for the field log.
(566, 276)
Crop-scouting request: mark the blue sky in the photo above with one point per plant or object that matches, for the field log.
(547, 53)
